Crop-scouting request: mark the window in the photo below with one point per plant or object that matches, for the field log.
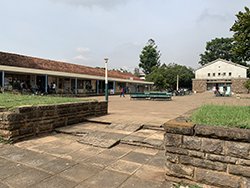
(219, 74)
(208, 74)
(224, 74)
(230, 74)
(213, 74)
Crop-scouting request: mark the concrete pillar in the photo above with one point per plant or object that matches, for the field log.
(75, 85)
(46, 83)
(2, 84)
(97, 86)
(114, 86)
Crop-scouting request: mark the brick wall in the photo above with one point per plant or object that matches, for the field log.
(207, 155)
(27, 121)
(238, 85)
(199, 86)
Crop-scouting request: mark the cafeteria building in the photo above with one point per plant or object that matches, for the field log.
(36, 75)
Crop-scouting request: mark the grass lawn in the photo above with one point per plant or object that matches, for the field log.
(228, 116)
(11, 100)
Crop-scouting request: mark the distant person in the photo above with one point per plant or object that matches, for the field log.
(122, 92)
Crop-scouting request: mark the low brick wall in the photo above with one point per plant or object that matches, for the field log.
(207, 155)
(29, 121)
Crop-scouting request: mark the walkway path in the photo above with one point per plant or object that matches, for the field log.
(109, 154)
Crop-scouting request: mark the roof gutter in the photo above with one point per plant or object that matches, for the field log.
(66, 74)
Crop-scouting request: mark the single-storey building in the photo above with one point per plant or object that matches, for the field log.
(220, 73)
(19, 72)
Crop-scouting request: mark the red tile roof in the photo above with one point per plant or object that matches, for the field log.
(10, 59)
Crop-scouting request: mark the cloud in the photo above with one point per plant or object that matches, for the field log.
(83, 50)
(206, 15)
(83, 54)
(106, 4)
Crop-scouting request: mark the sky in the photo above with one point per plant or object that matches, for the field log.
(87, 31)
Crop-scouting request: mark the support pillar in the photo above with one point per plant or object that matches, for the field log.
(114, 88)
(76, 86)
(97, 86)
(46, 83)
(106, 79)
(2, 84)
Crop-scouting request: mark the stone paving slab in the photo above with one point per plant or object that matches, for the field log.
(55, 182)
(96, 140)
(124, 166)
(100, 161)
(137, 182)
(137, 157)
(152, 173)
(26, 178)
(104, 179)
(9, 168)
(79, 172)
(57, 165)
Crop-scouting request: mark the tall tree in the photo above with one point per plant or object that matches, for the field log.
(150, 57)
(219, 48)
(158, 76)
(137, 72)
(241, 29)
(165, 76)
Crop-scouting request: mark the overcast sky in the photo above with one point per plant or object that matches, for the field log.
(86, 31)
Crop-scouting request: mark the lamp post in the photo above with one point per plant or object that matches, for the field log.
(177, 83)
(106, 79)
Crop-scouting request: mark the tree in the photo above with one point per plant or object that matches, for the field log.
(247, 85)
(158, 76)
(137, 72)
(165, 76)
(150, 57)
(220, 48)
(241, 29)
(185, 76)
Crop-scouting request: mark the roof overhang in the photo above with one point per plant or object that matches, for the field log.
(225, 61)
(66, 74)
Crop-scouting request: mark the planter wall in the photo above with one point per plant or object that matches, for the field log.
(28, 121)
(207, 155)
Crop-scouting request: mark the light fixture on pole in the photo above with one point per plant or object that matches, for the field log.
(106, 79)
(177, 83)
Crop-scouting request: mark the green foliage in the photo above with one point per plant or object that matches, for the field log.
(241, 29)
(185, 185)
(165, 76)
(220, 48)
(10, 100)
(158, 76)
(3, 141)
(137, 72)
(150, 57)
(227, 116)
(247, 85)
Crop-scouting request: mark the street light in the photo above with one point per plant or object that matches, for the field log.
(106, 79)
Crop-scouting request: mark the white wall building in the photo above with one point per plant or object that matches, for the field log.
(220, 73)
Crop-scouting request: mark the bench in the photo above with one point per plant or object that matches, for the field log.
(139, 96)
(152, 96)
(160, 96)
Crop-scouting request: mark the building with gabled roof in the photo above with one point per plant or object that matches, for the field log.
(17, 71)
(220, 73)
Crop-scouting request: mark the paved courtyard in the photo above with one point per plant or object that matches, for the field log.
(122, 149)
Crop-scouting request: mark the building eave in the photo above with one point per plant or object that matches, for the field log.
(66, 74)
(223, 60)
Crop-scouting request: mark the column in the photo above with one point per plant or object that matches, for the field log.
(2, 84)
(97, 86)
(75, 85)
(46, 83)
(106, 79)
(114, 88)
